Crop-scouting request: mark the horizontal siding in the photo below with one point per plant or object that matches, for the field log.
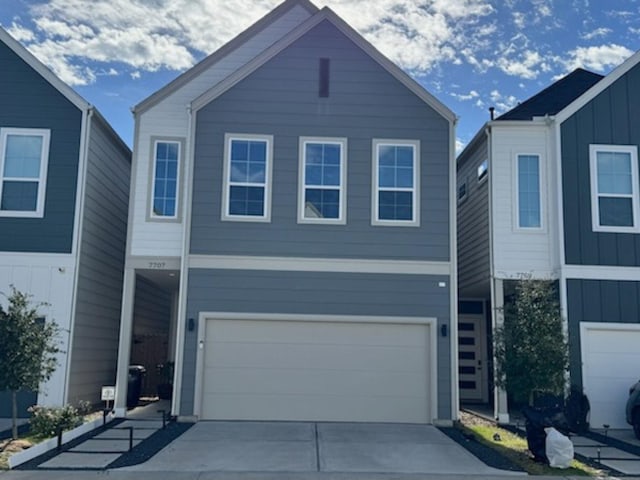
(365, 102)
(317, 293)
(473, 225)
(170, 118)
(612, 118)
(101, 268)
(518, 251)
(602, 301)
(29, 101)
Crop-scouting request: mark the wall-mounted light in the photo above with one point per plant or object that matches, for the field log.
(443, 329)
(191, 324)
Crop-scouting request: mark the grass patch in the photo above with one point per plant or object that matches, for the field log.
(515, 449)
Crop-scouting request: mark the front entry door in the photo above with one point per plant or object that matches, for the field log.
(472, 356)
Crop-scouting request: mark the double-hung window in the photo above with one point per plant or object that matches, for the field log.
(396, 183)
(321, 198)
(24, 158)
(166, 179)
(528, 190)
(247, 178)
(615, 203)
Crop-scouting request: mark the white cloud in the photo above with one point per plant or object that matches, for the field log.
(459, 146)
(72, 35)
(135, 75)
(21, 34)
(465, 97)
(501, 102)
(599, 58)
(527, 65)
(598, 32)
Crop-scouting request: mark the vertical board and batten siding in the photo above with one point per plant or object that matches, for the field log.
(473, 225)
(49, 279)
(519, 251)
(365, 102)
(606, 301)
(611, 118)
(169, 118)
(337, 294)
(94, 349)
(29, 101)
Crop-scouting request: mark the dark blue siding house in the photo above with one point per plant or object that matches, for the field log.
(64, 189)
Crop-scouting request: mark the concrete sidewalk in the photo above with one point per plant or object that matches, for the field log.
(171, 475)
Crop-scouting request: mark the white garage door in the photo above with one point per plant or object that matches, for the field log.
(610, 365)
(309, 370)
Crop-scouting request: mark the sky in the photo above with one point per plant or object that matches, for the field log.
(470, 54)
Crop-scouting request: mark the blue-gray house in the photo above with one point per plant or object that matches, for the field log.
(64, 193)
(292, 209)
(551, 190)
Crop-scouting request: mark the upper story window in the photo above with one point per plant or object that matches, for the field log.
(247, 178)
(483, 171)
(615, 204)
(166, 179)
(462, 192)
(529, 201)
(396, 182)
(322, 181)
(24, 158)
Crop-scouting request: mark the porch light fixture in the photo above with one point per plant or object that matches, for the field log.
(191, 324)
(443, 329)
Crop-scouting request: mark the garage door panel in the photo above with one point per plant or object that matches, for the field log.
(318, 382)
(288, 370)
(611, 364)
(310, 332)
(316, 408)
(273, 355)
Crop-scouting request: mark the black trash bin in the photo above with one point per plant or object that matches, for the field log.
(134, 384)
(548, 412)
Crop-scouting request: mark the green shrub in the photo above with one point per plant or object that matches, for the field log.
(46, 421)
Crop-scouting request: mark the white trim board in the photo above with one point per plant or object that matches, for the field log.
(596, 272)
(301, 264)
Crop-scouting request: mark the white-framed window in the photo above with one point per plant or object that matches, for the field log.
(396, 173)
(246, 194)
(24, 159)
(462, 192)
(528, 186)
(615, 202)
(323, 179)
(166, 179)
(483, 171)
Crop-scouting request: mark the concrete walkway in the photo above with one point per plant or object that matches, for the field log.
(303, 447)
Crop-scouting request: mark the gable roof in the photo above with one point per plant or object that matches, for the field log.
(329, 15)
(223, 51)
(43, 70)
(599, 87)
(555, 97)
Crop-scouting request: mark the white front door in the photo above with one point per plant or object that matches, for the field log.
(472, 357)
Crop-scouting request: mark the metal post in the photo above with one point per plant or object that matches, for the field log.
(59, 434)
(130, 438)
(164, 418)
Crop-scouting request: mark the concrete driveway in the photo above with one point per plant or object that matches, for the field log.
(315, 447)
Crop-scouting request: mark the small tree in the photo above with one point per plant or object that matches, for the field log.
(28, 348)
(531, 349)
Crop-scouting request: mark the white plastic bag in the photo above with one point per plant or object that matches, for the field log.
(558, 448)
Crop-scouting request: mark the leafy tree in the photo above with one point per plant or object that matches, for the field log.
(28, 348)
(531, 349)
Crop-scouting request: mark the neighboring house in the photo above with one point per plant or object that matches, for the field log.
(551, 190)
(292, 221)
(64, 182)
